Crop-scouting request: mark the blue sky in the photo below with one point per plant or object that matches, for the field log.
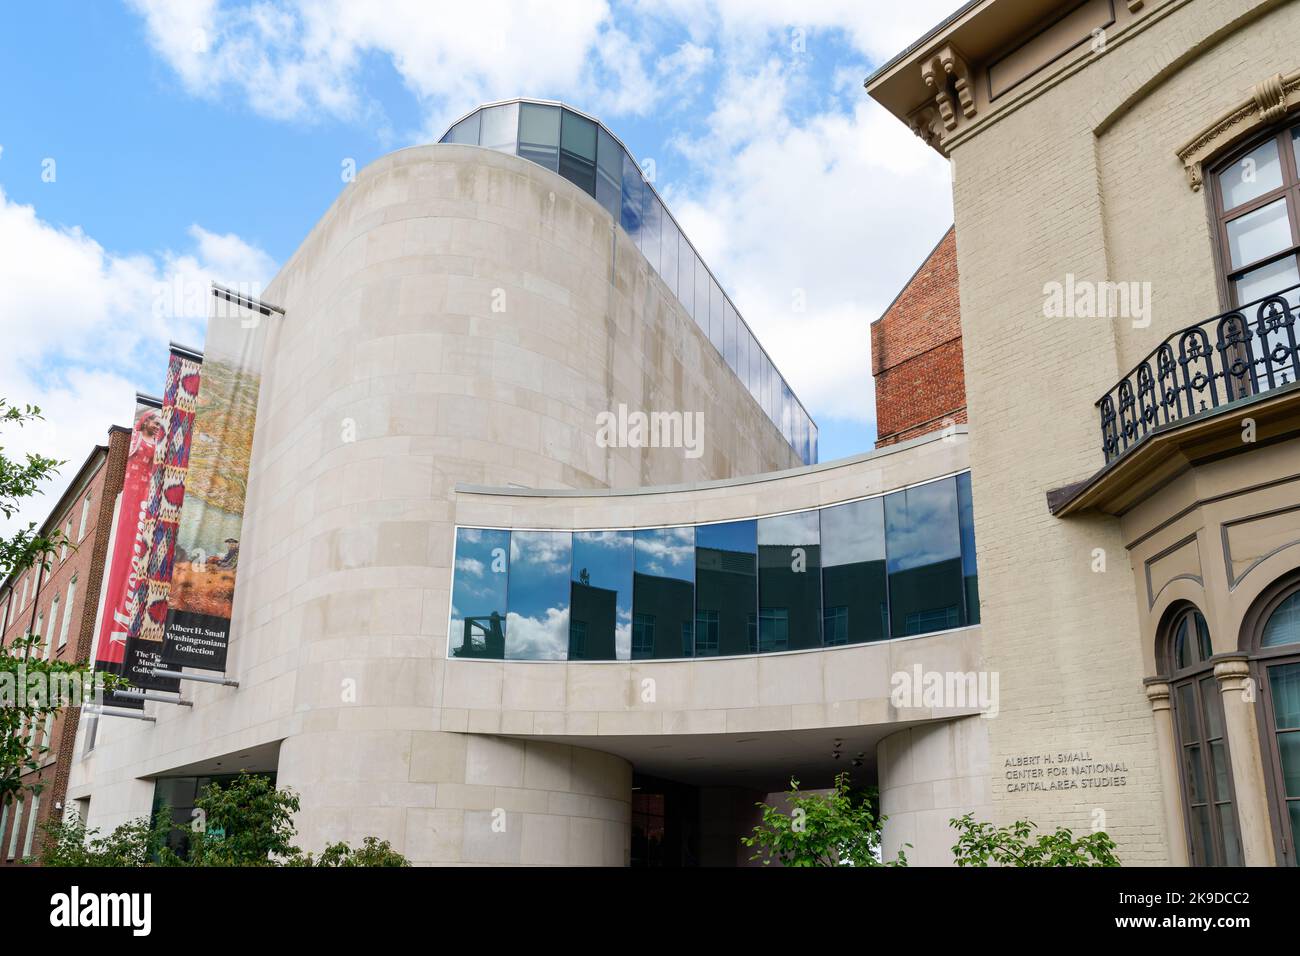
(147, 147)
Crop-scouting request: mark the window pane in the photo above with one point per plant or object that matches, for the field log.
(609, 173)
(537, 627)
(1231, 839)
(539, 134)
(651, 225)
(926, 590)
(768, 388)
(663, 593)
(730, 330)
(1185, 704)
(1213, 702)
(853, 572)
(500, 127)
(1283, 625)
(702, 284)
(1266, 280)
(686, 275)
(717, 326)
(1260, 233)
(1194, 769)
(600, 615)
(1219, 770)
(1202, 841)
(464, 132)
(789, 582)
(966, 518)
(1256, 173)
(478, 593)
(632, 201)
(1202, 636)
(1182, 647)
(750, 353)
(578, 151)
(726, 588)
(972, 609)
(1285, 683)
(787, 413)
(669, 239)
(1288, 746)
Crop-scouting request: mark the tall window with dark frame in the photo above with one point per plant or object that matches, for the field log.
(1205, 771)
(1276, 650)
(1257, 197)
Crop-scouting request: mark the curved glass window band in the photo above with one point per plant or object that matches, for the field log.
(896, 565)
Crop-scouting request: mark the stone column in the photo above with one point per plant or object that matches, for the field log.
(1172, 790)
(1250, 793)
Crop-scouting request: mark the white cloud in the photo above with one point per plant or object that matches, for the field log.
(84, 329)
(832, 212)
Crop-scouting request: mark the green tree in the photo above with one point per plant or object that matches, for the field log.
(373, 852)
(134, 843)
(247, 822)
(837, 828)
(981, 844)
(31, 689)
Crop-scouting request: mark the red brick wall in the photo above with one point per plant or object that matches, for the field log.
(916, 354)
(86, 564)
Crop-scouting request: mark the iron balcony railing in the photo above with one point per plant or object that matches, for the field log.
(1246, 351)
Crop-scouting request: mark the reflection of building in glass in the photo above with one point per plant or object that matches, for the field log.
(725, 593)
(662, 617)
(593, 617)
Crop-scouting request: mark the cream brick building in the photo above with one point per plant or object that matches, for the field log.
(1129, 496)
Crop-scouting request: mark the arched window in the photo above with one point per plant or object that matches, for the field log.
(1276, 649)
(1206, 774)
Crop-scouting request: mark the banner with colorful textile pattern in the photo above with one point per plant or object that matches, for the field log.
(162, 517)
(207, 549)
(128, 550)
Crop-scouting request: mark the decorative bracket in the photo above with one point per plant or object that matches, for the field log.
(944, 68)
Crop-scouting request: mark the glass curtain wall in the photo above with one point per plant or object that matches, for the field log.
(896, 565)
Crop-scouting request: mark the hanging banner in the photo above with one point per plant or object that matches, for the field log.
(207, 548)
(161, 516)
(126, 558)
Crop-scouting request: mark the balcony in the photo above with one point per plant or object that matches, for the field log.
(1199, 370)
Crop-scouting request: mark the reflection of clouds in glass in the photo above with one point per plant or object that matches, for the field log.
(477, 589)
(546, 550)
(537, 626)
(853, 532)
(538, 639)
(795, 529)
(922, 525)
(666, 552)
(470, 566)
(616, 541)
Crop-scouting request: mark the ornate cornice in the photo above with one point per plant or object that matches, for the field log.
(1269, 101)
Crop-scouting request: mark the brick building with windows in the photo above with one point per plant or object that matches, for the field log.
(59, 602)
(916, 352)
